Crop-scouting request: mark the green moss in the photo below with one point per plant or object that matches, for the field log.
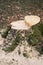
(41, 28)
(35, 37)
(39, 48)
(25, 55)
(5, 32)
(14, 44)
(11, 47)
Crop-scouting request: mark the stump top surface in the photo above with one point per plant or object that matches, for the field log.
(25, 24)
(19, 25)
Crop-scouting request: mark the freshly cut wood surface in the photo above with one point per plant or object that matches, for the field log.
(32, 20)
(19, 25)
(26, 23)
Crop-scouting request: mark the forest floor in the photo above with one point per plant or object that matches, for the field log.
(12, 11)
